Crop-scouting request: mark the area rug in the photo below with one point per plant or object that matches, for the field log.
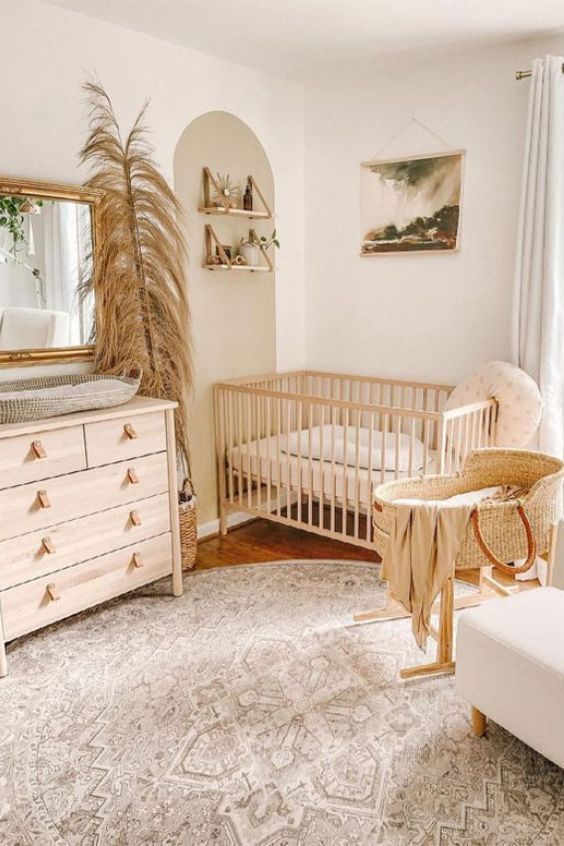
(247, 713)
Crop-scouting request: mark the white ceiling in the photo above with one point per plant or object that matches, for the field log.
(295, 37)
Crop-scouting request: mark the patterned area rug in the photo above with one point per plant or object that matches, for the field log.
(247, 713)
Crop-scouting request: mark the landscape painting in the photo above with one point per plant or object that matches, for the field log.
(412, 204)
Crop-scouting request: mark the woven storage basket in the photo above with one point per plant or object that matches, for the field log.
(14, 409)
(188, 528)
(501, 524)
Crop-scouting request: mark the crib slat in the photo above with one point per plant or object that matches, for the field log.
(310, 468)
(397, 447)
(356, 475)
(384, 432)
(240, 398)
(258, 438)
(299, 469)
(322, 466)
(344, 467)
(248, 411)
(227, 399)
(278, 457)
(288, 462)
(369, 478)
(411, 447)
(268, 423)
(333, 473)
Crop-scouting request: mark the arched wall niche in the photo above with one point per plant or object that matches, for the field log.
(233, 313)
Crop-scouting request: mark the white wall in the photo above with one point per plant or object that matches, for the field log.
(48, 54)
(233, 314)
(425, 316)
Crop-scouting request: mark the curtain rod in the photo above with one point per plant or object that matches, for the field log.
(527, 74)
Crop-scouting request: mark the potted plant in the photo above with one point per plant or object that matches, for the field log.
(250, 248)
(12, 211)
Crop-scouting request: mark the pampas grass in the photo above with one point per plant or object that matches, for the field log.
(140, 257)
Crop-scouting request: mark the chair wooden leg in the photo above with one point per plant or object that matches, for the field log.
(479, 722)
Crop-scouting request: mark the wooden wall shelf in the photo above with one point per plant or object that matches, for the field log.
(212, 242)
(252, 268)
(208, 208)
(235, 213)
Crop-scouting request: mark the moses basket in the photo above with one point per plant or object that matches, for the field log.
(498, 532)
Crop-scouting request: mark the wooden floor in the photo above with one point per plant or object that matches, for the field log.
(261, 540)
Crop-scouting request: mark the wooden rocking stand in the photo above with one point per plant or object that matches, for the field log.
(488, 588)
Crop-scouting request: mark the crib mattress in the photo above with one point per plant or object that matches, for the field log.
(310, 474)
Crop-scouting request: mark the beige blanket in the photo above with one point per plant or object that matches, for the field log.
(420, 557)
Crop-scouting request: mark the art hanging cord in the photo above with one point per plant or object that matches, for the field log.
(406, 126)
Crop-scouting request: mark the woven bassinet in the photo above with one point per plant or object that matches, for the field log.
(499, 531)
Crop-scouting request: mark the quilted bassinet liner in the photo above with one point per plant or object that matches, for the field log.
(540, 475)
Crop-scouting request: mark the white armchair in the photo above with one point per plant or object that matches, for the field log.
(33, 328)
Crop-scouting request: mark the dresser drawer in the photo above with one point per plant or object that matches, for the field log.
(28, 508)
(125, 437)
(28, 458)
(40, 553)
(35, 604)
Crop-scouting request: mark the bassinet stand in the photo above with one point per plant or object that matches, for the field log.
(447, 605)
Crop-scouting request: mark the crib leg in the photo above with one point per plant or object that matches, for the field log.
(222, 519)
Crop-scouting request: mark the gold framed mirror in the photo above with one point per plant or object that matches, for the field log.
(48, 236)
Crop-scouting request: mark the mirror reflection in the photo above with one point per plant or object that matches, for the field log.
(45, 258)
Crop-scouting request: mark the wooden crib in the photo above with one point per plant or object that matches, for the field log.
(306, 448)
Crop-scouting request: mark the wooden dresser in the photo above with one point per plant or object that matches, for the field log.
(88, 511)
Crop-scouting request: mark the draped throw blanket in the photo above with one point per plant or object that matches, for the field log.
(420, 556)
(538, 319)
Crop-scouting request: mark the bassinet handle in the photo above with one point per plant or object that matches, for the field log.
(491, 556)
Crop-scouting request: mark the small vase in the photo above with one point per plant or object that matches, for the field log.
(250, 252)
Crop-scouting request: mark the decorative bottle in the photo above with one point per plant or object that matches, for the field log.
(248, 197)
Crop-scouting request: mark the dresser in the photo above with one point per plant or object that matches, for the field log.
(88, 511)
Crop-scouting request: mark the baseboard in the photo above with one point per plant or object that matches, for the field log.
(206, 530)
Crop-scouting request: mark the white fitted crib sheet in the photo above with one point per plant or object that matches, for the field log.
(337, 480)
(342, 445)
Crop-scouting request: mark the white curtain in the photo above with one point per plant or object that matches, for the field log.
(64, 256)
(539, 285)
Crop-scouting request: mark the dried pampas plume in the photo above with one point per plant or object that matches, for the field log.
(139, 270)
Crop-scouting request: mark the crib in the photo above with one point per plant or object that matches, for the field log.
(306, 448)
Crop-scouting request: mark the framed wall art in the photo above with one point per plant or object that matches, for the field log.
(411, 204)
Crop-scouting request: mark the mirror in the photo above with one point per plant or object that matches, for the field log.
(47, 252)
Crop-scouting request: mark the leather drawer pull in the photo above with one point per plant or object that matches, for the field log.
(44, 500)
(48, 546)
(52, 592)
(132, 476)
(136, 560)
(130, 431)
(38, 449)
(135, 518)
